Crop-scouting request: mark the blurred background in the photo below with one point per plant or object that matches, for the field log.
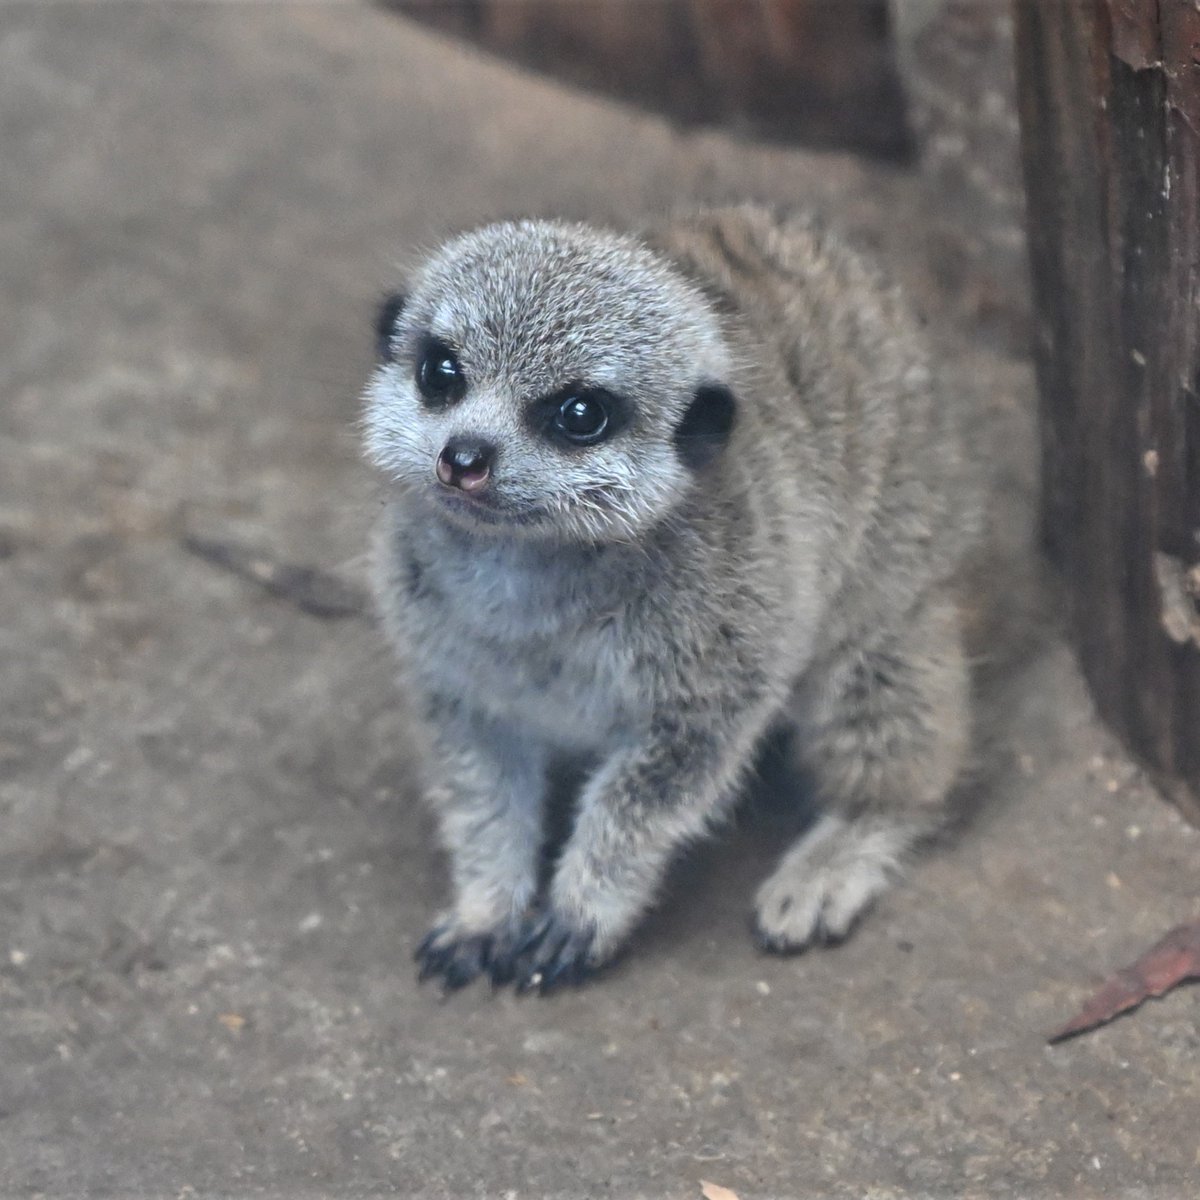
(212, 867)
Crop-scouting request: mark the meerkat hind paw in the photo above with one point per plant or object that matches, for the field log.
(824, 885)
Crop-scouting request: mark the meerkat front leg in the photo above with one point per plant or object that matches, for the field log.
(639, 808)
(884, 729)
(487, 786)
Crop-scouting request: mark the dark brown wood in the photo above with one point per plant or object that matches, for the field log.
(1110, 114)
(815, 71)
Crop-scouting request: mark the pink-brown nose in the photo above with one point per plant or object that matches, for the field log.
(466, 464)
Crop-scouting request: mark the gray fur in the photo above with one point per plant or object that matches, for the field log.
(616, 604)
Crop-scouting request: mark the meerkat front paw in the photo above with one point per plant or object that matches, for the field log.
(458, 956)
(553, 952)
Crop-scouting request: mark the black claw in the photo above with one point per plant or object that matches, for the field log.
(561, 972)
(770, 944)
(502, 970)
(458, 961)
(820, 936)
(431, 965)
(532, 933)
(460, 971)
(552, 953)
(426, 943)
(544, 952)
(505, 951)
(829, 939)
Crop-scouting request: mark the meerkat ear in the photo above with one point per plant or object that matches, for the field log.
(705, 428)
(385, 324)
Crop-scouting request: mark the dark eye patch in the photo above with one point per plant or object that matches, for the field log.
(389, 310)
(439, 376)
(705, 428)
(579, 415)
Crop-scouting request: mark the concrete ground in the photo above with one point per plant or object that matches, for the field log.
(212, 868)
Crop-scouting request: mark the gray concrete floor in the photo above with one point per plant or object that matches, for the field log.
(212, 868)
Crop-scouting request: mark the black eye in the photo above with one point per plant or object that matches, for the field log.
(439, 377)
(583, 417)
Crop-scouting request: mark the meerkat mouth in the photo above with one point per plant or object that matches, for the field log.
(473, 510)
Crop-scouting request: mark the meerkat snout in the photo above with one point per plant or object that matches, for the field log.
(466, 463)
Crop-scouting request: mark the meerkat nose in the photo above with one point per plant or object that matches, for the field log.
(465, 463)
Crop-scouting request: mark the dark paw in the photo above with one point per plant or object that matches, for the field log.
(459, 959)
(551, 952)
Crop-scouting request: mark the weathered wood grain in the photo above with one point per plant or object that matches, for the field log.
(1110, 112)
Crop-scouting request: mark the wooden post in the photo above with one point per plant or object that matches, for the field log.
(816, 71)
(1110, 113)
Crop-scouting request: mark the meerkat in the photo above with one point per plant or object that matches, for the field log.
(653, 496)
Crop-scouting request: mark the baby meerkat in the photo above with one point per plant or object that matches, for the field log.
(654, 497)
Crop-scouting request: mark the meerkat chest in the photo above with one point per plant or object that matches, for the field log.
(535, 644)
(576, 692)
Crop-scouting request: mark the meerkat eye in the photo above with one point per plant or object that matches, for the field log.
(439, 377)
(583, 417)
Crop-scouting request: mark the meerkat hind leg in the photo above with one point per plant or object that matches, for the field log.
(884, 732)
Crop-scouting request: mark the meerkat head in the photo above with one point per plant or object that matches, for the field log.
(549, 380)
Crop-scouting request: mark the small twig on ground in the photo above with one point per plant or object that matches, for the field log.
(309, 589)
(1170, 962)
